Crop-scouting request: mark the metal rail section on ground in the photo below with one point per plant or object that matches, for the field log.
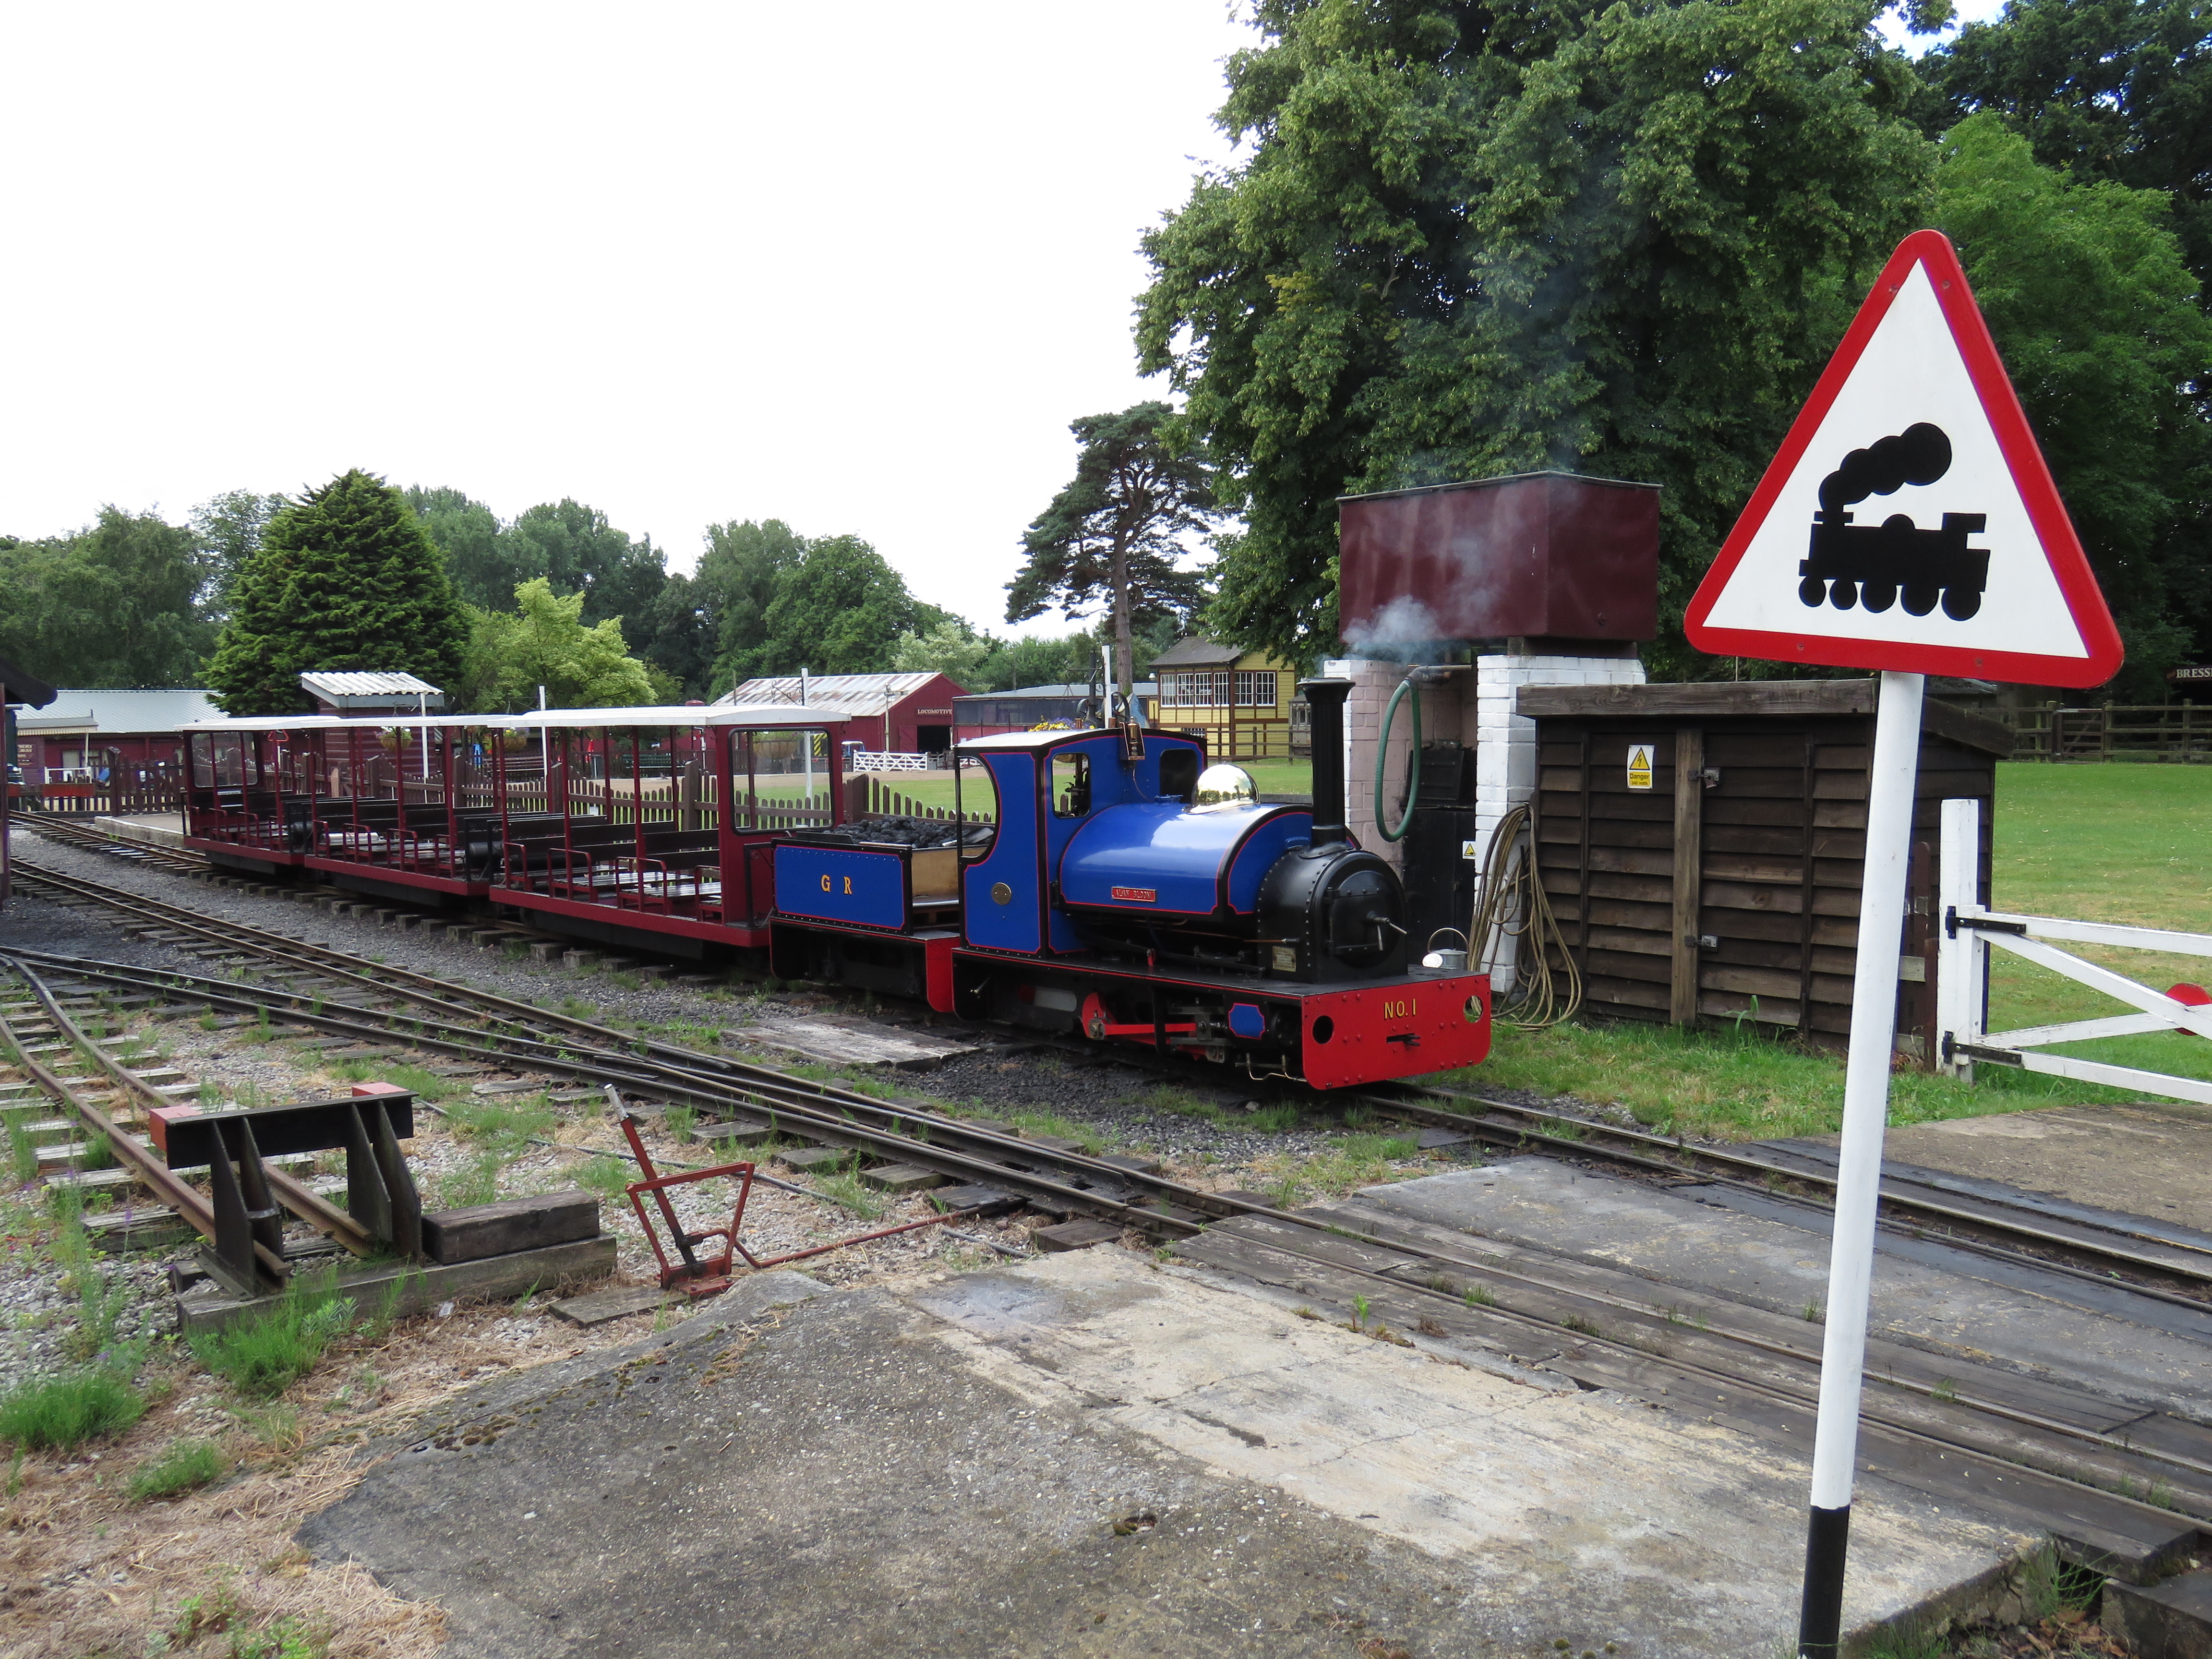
(1969, 931)
(1931, 1418)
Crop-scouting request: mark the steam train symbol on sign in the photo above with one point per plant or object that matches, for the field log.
(1875, 565)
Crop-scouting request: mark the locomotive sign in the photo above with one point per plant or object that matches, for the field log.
(1908, 521)
(1908, 525)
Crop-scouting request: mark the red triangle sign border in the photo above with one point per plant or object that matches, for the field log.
(1932, 251)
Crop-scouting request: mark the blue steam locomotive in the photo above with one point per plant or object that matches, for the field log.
(1130, 893)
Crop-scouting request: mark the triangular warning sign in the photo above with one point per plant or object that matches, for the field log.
(1909, 521)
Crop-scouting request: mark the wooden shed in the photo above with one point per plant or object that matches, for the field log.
(1702, 846)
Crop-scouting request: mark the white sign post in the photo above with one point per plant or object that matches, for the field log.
(1974, 570)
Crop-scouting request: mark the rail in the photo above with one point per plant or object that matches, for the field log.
(2057, 1461)
(600, 1054)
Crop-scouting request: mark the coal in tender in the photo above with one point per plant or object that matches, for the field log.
(921, 833)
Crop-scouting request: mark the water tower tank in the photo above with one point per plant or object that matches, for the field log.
(1548, 554)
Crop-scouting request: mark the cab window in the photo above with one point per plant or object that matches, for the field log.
(1071, 784)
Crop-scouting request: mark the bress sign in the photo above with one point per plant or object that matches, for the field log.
(1908, 525)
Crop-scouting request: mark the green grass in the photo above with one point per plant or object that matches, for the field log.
(608, 1177)
(66, 1411)
(1346, 1162)
(265, 1356)
(2129, 844)
(845, 1188)
(1180, 1102)
(2125, 844)
(178, 1466)
(500, 1128)
(476, 1181)
(22, 1151)
(1720, 1084)
(426, 1085)
(1047, 1123)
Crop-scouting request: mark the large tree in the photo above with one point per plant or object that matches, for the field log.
(946, 647)
(229, 528)
(481, 559)
(839, 610)
(676, 634)
(578, 550)
(345, 579)
(2095, 315)
(2117, 89)
(544, 641)
(1111, 538)
(115, 604)
(738, 576)
(1476, 239)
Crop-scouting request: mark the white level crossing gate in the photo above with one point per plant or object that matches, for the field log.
(1968, 932)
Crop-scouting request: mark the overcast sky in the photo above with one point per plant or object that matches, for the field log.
(855, 267)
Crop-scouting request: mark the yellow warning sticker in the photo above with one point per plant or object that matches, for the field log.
(1639, 766)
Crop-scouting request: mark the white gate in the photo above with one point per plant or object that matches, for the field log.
(1961, 991)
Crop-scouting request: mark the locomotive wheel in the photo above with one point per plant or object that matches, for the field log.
(1844, 594)
(1813, 589)
(1959, 604)
(1878, 597)
(1920, 598)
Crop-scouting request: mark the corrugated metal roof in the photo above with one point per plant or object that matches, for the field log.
(1073, 689)
(1195, 652)
(346, 682)
(854, 693)
(119, 711)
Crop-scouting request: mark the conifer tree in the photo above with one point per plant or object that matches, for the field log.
(346, 578)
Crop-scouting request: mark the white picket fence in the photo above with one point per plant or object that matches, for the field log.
(866, 760)
(1962, 1004)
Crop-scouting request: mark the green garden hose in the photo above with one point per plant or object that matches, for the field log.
(1413, 764)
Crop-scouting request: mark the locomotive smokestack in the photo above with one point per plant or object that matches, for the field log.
(1326, 699)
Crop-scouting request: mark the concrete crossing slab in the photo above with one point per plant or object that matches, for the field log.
(1096, 1455)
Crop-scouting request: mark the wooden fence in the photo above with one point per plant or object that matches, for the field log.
(91, 800)
(867, 796)
(2179, 733)
(1245, 740)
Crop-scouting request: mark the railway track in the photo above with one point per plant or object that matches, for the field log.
(1601, 1330)
(85, 839)
(2165, 1263)
(2055, 1451)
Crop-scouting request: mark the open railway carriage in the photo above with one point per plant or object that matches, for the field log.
(657, 824)
(406, 809)
(250, 788)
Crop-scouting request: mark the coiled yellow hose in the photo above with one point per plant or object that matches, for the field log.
(1512, 904)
